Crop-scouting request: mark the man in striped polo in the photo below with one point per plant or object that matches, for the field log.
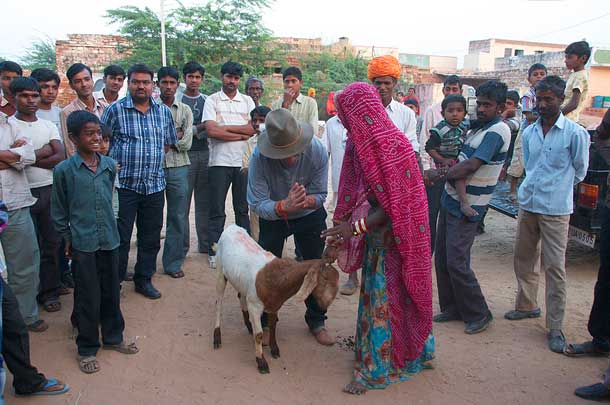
(481, 160)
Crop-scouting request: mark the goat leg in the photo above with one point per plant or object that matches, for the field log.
(244, 310)
(221, 284)
(256, 312)
(275, 350)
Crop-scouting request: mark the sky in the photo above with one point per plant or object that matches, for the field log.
(437, 27)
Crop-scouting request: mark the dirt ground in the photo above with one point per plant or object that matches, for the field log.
(509, 363)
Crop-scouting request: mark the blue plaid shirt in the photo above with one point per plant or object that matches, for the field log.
(138, 143)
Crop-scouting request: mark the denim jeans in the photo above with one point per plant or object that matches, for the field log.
(221, 177)
(198, 185)
(22, 261)
(148, 209)
(175, 195)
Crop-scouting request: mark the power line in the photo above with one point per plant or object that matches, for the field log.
(570, 26)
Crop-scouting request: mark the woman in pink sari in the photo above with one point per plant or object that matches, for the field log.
(382, 227)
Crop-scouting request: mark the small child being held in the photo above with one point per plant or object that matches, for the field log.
(81, 209)
(446, 141)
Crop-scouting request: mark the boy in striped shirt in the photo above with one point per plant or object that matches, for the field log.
(481, 160)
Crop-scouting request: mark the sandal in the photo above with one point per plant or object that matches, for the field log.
(177, 274)
(63, 290)
(52, 306)
(38, 326)
(88, 364)
(49, 388)
(584, 349)
(125, 348)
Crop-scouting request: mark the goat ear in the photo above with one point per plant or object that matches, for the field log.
(309, 283)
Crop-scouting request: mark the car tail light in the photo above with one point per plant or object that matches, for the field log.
(587, 195)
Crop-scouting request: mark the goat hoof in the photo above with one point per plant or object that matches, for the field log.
(275, 352)
(217, 339)
(263, 367)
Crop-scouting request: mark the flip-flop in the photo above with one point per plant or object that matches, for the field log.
(584, 349)
(50, 383)
(125, 348)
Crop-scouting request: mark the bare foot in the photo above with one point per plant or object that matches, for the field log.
(468, 210)
(355, 388)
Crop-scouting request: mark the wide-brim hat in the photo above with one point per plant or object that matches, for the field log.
(283, 136)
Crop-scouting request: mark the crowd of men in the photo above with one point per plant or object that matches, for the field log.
(184, 145)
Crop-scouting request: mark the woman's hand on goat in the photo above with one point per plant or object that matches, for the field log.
(339, 232)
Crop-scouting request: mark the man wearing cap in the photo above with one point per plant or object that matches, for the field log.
(287, 187)
(384, 72)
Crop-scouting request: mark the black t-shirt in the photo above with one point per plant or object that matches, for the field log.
(196, 105)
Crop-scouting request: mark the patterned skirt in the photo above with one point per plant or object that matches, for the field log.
(374, 368)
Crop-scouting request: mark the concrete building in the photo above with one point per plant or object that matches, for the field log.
(483, 53)
(432, 62)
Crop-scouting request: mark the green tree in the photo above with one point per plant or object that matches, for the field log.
(326, 72)
(41, 55)
(211, 34)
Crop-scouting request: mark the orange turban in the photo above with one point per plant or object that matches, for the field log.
(386, 65)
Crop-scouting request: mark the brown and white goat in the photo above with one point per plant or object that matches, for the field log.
(264, 283)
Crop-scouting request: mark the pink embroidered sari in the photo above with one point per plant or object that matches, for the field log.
(379, 159)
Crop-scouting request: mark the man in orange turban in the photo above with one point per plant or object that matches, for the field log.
(386, 65)
(384, 72)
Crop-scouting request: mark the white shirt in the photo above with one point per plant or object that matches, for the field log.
(404, 118)
(431, 118)
(225, 111)
(14, 188)
(51, 115)
(41, 132)
(334, 139)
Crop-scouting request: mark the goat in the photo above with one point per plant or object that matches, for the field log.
(264, 282)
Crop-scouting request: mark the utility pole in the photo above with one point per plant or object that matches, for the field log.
(163, 56)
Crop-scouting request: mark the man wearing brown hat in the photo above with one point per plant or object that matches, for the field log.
(287, 187)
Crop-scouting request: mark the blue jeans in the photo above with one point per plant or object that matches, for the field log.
(176, 197)
(198, 186)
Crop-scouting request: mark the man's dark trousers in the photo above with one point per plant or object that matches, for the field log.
(434, 193)
(459, 291)
(49, 242)
(96, 295)
(219, 180)
(599, 319)
(16, 346)
(306, 231)
(147, 212)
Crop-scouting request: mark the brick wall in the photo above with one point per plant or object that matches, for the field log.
(548, 59)
(95, 51)
(517, 78)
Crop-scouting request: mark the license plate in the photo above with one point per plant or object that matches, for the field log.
(582, 237)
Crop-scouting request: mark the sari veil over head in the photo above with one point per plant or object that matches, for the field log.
(379, 159)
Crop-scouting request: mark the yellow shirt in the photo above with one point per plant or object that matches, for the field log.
(577, 80)
(303, 108)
